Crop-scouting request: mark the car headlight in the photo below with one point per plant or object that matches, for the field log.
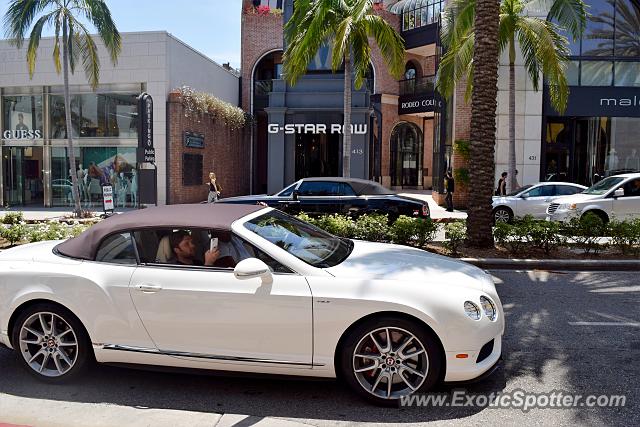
(472, 310)
(489, 308)
(567, 207)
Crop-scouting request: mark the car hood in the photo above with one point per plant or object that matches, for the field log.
(370, 260)
(576, 198)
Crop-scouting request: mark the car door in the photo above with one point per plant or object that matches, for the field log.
(350, 202)
(535, 201)
(628, 205)
(208, 314)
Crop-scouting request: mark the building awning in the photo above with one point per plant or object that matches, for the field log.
(408, 5)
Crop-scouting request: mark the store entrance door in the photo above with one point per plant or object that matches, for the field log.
(317, 155)
(23, 176)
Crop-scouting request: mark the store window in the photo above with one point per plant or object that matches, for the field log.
(22, 118)
(419, 13)
(95, 167)
(192, 169)
(406, 155)
(95, 116)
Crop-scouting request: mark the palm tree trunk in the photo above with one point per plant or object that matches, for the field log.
(511, 182)
(67, 113)
(483, 123)
(346, 133)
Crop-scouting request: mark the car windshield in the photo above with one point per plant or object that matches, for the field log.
(520, 190)
(604, 185)
(302, 240)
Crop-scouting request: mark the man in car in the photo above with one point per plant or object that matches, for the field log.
(633, 188)
(185, 250)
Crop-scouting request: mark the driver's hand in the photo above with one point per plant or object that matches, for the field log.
(210, 257)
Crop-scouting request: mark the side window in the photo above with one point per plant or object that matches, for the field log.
(346, 190)
(117, 249)
(567, 190)
(320, 188)
(287, 191)
(632, 188)
(253, 252)
(542, 191)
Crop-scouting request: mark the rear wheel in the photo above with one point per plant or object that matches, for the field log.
(52, 342)
(388, 358)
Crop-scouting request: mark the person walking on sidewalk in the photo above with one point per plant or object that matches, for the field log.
(502, 185)
(449, 185)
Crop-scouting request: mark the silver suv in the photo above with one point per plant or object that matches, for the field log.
(616, 197)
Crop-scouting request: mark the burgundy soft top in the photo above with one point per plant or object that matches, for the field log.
(210, 216)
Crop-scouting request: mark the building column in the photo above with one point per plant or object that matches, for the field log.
(276, 151)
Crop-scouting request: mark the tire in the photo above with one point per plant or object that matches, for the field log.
(603, 216)
(421, 354)
(502, 214)
(51, 355)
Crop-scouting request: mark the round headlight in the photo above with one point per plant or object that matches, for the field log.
(489, 308)
(472, 310)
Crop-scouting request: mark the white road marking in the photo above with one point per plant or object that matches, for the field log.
(633, 324)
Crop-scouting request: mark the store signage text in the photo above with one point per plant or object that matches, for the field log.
(319, 128)
(22, 134)
(425, 103)
(621, 102)
(145, 129)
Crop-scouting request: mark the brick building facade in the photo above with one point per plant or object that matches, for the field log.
(224, 152)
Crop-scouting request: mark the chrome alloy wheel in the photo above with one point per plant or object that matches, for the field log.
(48, 344)
(390, 362)
(501, 215)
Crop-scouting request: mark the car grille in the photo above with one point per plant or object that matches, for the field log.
(485, 351)
(552, 208)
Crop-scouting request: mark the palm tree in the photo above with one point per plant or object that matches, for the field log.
(72, 37)
(541, 43)
(346, 25)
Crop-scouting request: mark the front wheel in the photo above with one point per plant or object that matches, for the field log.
(387, 359)
(502, 214)
(52, 342)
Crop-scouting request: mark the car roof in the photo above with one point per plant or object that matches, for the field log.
(204, 215)
(560, 183)
(360, 186)
(628, 175)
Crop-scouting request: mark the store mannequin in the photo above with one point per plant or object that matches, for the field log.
(632, 162)
(122, 190)
(133, 188)
(82, 183)
(611, 161)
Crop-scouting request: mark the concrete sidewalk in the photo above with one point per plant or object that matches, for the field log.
(43, 214)
(437, 212)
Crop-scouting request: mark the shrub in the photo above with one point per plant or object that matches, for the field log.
(338, 225)
(586, 232)
(455, 233)
(510, 236)
(15, 233)
(13, 218)
(413, 231)
(373, 227)
(625, 236)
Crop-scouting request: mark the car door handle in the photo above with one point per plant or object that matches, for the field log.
(148, 287)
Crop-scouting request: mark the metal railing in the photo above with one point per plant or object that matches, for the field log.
(417, 86)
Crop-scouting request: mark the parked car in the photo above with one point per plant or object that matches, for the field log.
(531, 200)
(280, 296)
(616, 196)
(348, 196)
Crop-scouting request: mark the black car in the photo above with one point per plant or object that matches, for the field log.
(348, 196)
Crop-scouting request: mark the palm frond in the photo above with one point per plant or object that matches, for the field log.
(87, 50)
(570, 14)
(361, 50)
(98, 14)
(389, 42)
(19, 17)
(34, 39)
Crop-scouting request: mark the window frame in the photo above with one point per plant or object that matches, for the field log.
(131, 239)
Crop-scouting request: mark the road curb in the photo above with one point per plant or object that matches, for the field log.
(555, 264)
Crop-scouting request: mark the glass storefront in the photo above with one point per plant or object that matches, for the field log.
(587, 149)
(406, 155)
(35, 164)
(317, 155)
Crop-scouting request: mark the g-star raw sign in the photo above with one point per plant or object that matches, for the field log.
(146, 151)
(22, 134)
(318, 128)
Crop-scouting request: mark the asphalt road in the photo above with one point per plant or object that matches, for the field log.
(576, 332)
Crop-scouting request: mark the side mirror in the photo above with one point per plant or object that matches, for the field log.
(295, 194)
(618, 193)
(251, 268)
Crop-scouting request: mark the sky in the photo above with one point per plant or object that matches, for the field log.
(209, 26)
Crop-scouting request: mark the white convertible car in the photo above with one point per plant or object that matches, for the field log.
(248, 288)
